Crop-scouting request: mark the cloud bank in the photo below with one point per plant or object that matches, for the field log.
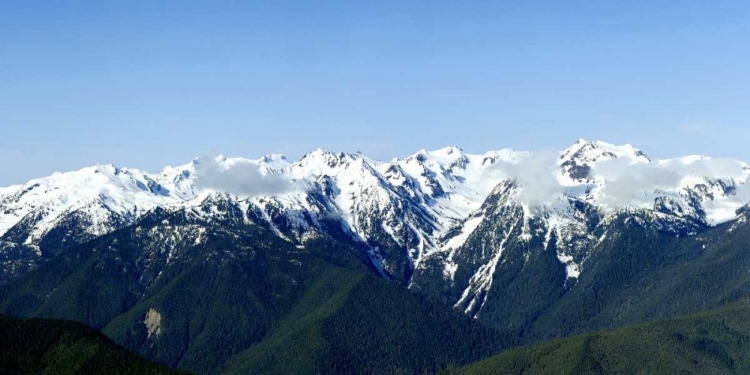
(239, 177)
(627, 182)
(537, 174)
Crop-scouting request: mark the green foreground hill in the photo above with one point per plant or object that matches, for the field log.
(46, 346)
(716, 342)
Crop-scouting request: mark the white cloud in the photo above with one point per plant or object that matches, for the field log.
(626, 182)
(239, 177)
(623, 181)
(536, 174)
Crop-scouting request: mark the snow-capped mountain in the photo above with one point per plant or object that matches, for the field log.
(443, 222)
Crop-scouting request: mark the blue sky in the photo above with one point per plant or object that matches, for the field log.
(148, 83)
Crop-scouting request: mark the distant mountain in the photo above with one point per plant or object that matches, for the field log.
(440, 222)
(40, 346)
(337, 262)
(715, 342)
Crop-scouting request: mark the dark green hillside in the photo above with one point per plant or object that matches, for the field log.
(39, 346)
(636, 274)
(217, 296)
(716, 342)
(639, 275)
(368, 324)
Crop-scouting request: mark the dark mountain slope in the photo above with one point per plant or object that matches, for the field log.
(371, 326)
(638, 275)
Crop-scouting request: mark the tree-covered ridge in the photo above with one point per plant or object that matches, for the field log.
(368, 326)
(716, 342)
(45, 346)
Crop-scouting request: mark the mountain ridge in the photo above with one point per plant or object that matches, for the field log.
(530, 246)
(413, 217)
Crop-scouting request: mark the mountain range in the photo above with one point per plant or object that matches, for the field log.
(411, 216)
(527, 246)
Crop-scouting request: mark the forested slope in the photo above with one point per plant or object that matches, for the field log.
(715, 342)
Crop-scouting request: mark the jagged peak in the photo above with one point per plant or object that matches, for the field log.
(446, 158)
(449, 150)
(318, 151)
(325, 162)
(328, 155)
(274, 157)
(584, 151)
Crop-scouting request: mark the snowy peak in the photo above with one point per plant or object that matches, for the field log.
(450, 157)
(449, 150)
(583, 152)
(94, 193)
(324, 162)
(443, 158)
(577, 160)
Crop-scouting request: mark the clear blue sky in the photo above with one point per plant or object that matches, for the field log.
(150, 83)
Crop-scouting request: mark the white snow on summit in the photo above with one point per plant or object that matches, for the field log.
(427, 194)
(587, 152)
